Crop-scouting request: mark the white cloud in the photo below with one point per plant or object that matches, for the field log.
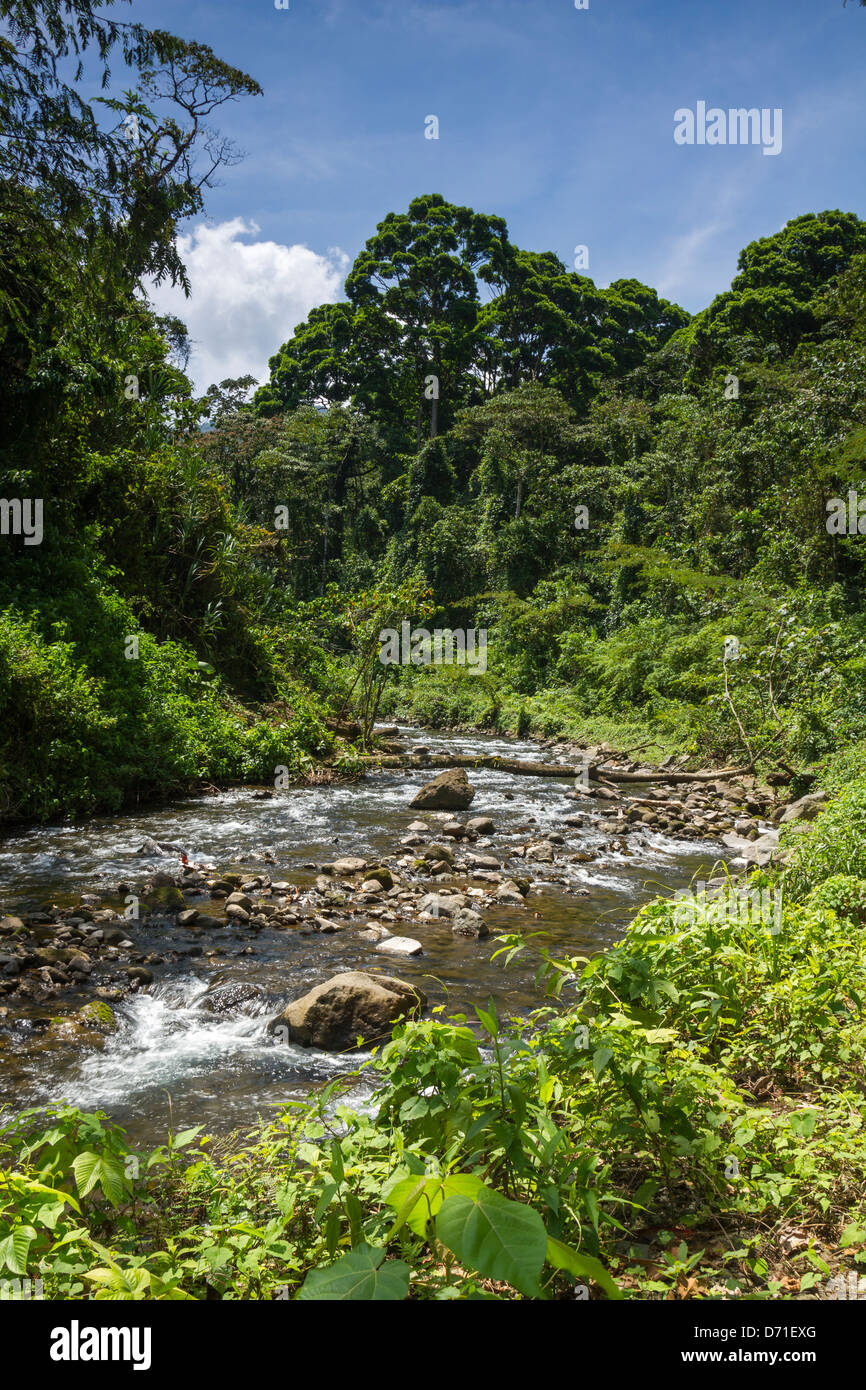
(685, 271)
(246, 297)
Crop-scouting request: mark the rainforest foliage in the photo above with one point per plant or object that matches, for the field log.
(658, 518)
(620, 493)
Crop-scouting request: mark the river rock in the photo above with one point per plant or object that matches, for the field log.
(509, 895)
(436, 905)
(152, 846)
(327, 926)
(432, 853)
(382, 877)
(139, 974)
(98, 1016)
(482, 861)
(344, 868)
(454, 829)
(165, 898)
(239, 900)
(806, 808)
(333, 1015)
(542, 853)
(761, 851)
(465, 922)
(221, 999)
(400, 946)
(450, 791)
(374, 933)
(482, 825)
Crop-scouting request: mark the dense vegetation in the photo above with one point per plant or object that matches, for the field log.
(634, 503)
(607, 486)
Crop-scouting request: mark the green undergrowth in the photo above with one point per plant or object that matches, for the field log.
(453, 697)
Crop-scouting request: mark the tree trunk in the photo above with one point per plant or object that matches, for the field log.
(532, 769)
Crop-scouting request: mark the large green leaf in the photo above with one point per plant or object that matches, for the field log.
(581, 1266)
(501, 1239)
(359, 1276)
(91, 1168)
(15, 1249)
(417, 1200)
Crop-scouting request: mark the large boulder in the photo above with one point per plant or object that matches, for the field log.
(450, 791)
(333, 1015)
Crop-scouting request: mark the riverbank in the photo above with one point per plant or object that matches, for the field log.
(450, 698)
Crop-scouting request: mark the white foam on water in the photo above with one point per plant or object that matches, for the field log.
(166, 1036)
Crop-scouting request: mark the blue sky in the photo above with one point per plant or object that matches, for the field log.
(560, 120)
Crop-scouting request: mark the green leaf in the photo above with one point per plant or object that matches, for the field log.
(498, 1238)
(359, 1277)
(488, 1020)
(186, 1137)
(91, 1168)
(86, 1168)
(600, 1059)
(15, 1249)
(324, 1201)
(581, 1266)
(421, 1198)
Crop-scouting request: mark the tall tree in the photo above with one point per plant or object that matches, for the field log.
(418, 273)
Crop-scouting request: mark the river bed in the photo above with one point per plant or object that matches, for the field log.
(173, 1063)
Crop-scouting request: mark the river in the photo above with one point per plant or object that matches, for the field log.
(173, 1063)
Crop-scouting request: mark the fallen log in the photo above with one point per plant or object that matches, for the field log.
(527, 768)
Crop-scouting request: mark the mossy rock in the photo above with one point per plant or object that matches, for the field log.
(89, 1024)
(165, 900)
(380, 874)
(98, 1015)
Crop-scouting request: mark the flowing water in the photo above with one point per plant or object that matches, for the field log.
(173, 1061)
